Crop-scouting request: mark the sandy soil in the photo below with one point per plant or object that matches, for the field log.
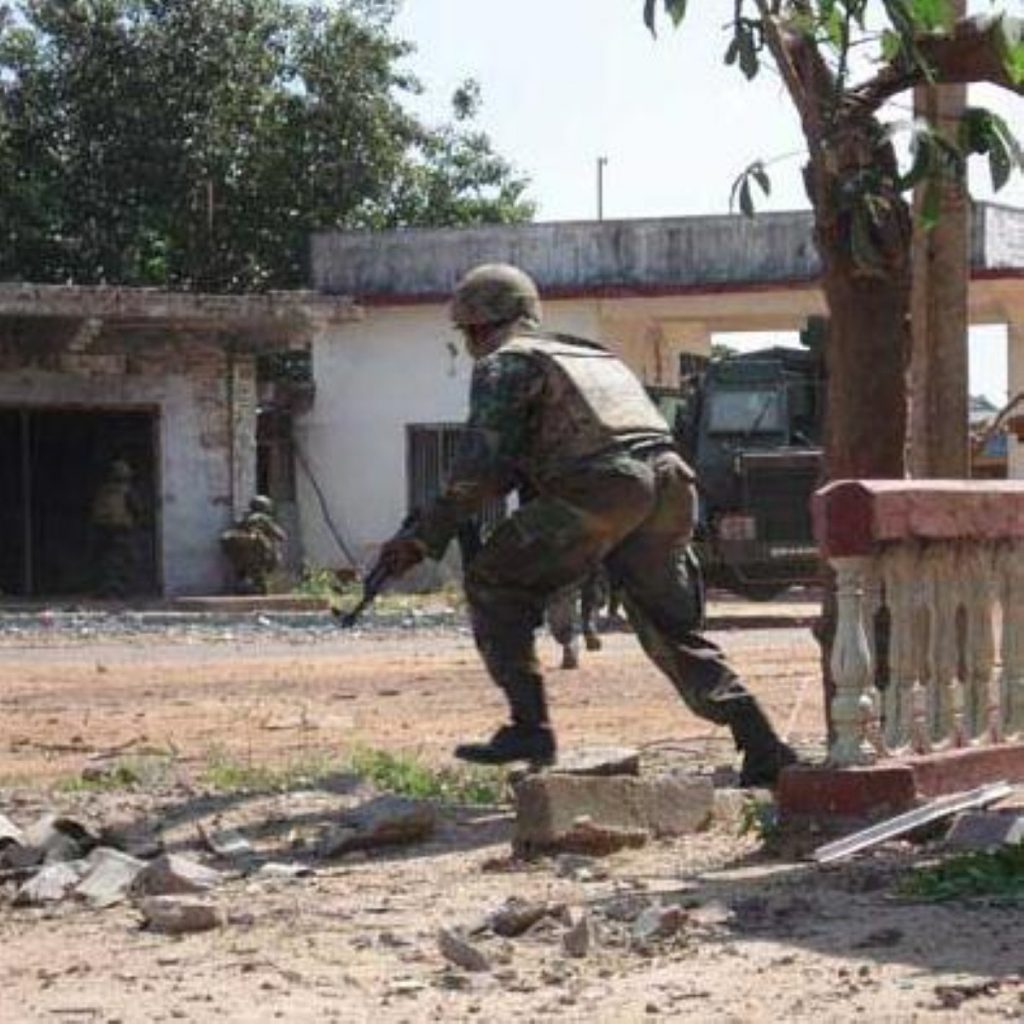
(762, 938)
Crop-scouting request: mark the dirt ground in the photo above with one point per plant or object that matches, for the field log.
(762, 937)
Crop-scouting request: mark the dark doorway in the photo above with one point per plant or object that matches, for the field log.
(58, 540)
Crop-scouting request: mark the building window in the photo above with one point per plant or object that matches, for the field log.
(429, 452)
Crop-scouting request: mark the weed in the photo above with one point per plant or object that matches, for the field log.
(138, 772)
(408, 777)
(227, 773)
(998, 873)
(759, 818)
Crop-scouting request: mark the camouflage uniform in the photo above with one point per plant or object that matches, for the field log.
(570, 420)
(253, 547)
(114, 516)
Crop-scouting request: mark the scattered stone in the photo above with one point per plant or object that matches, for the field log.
(109, 876)
(284, 869)
(627, 907)
(385, 821)
(172, 874)
(618, 810)
(883, 937)
(517, 915)
(10, 833)
(599, 761)
(228, 843)
(577, 939)
(580, 868)
(138, 839)
(731, 808)
(51, 884)
(985, 830)
(177, 915)
(458, 951)
(657, 922)
(50, 839)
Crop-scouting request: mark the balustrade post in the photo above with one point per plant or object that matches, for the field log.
(1010, 566)
(852, 668)
(944, 698)
(903, 700)
(979, 642)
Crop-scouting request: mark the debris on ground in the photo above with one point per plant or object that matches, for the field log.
(108, 877)
(578, 937)
(985, 830)
(383, 821)
(460, 951)
(178, 915)
(901, 824)
(172, 874)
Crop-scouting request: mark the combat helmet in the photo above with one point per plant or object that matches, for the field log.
(495, 293)
(261, 503)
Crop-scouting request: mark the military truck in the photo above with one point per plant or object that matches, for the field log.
(751, 425)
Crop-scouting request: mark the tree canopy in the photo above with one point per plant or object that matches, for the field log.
(842, 62)
(197, 143)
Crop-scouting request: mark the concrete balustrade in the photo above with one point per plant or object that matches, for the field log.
(929, 645)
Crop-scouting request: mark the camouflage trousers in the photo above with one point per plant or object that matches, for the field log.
(635, 515)
(253, 559)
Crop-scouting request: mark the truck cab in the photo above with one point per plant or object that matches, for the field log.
(751, 426)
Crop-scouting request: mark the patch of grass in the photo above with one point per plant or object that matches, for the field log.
(227, 773)
(760, 818)
(130, 772)
(406, 776)
(997, 873)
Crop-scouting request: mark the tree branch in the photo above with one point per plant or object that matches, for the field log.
(973, 52)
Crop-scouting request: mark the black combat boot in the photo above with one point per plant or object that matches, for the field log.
(533, 743)
(764, 754)
(528, 738)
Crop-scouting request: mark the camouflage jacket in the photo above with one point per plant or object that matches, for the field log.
(531, 420)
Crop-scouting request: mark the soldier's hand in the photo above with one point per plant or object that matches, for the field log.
(400, 554)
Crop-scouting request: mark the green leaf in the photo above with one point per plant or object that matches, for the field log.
(746, 201)
(676, 10)
(1014, 62)
(760, 175)
(1000, 166)
(892, 45)
(732, 51)
(649, 15)
(922, 158)
(749, 63)
(834, 25)
(933, 15)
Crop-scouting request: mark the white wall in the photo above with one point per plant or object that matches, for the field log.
(373, 377)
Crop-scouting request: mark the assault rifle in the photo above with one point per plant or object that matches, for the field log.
(374, 580)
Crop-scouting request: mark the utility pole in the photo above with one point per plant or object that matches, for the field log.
(602, 162)
(939, 432)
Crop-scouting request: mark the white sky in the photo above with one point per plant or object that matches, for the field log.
(567, 81)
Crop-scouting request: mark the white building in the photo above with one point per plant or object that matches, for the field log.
(653, 290)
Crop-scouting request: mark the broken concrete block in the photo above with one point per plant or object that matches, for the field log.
(137, 839)
(384, 821)
(177, 915)
(551, 807)
(172, 874)
(577, 940)
(227, 843)
(458, 951)
(517, 915)
(50, 884)
(599, 761)
(109, 876)
(985, 830)
(50, 839)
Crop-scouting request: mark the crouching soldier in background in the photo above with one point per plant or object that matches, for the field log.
(254, 547)
(115, 516)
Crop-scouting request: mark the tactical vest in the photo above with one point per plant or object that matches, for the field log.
(593, 402)
(110, 506)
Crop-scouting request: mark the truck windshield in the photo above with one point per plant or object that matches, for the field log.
(746, 412)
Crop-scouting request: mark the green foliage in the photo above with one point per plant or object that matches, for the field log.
(227, 773)
(125, 773)
(197, 143)
(760, 818)
(998, 873)
(741, 187)
(406, 776)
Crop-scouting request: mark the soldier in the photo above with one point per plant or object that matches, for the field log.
(115, 515)
(569, 418)
(253, 546)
